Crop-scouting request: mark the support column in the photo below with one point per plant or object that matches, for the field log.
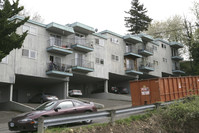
(11, 92)
(106, 86)
(66, 88)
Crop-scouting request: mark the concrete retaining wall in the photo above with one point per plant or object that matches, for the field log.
(11, 105)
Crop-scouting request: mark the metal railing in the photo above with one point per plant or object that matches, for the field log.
(65, 119)
(58, 43)
(146, 64)
(131, 67)
(147, 48)
(131, 49)
(82, 63)
(81, 41)
(44, 122)
(58, 67)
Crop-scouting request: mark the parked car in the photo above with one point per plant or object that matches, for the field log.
(28, 121)
(119, 90)
(75, 93)
(43, 97)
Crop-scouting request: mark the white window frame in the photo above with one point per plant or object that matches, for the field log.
(32, 51)
(115, 57)
(115, 40)
(30, 29)
(100, 42)
(97, 60)
(30, 54)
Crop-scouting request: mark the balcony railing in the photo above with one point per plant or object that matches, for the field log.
(147, 51)
(131, 69)
(58, 67)
(59, 70)
(131, 49)
(132, 52)
(58, 43)
(78, 62)
(146, 66)
(81, 41)
(177, 70)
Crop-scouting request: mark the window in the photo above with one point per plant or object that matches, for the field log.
(30, 29)
(97, 60)
(77, 103)
(102, 61)
(66, 105)
(29, 53)
(99, 42)
(55, 40)
(163, 46)
(5, 60)
(164, 60)
(32, 54)
(115, 40)
(155, 62)
(96, 41)
(25, 52)
(115, 57)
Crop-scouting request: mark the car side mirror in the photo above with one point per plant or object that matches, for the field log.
(57, 108)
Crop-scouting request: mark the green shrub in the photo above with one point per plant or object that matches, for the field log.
(178, 116)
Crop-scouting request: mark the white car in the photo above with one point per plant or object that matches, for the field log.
(75, 93)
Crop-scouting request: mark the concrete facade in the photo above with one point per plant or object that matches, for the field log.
(56, 58)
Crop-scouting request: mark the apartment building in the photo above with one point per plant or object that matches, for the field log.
(56, 58)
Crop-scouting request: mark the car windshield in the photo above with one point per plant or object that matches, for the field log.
(46, 106)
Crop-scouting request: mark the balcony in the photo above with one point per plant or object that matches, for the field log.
(176, 58)
(146, 67)
(58, 47)
(80, 65)
(147, 51)
(82, 28)
(60, 29)
(146, 38)
(177, 71)
(58, 70)
(176, 45)
(130, 69)
(82, 44)
(132, 39)
(132, 53)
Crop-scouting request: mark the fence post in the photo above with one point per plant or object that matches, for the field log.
(40, 128)
(157, 104)
(112, 115)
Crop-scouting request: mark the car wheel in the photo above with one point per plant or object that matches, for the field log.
(87, 121)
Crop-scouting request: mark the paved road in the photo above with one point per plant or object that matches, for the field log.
(5, 116)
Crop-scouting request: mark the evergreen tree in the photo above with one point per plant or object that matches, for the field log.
(138, 20)
(9, 39)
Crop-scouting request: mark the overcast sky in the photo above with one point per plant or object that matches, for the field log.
(103, 14)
